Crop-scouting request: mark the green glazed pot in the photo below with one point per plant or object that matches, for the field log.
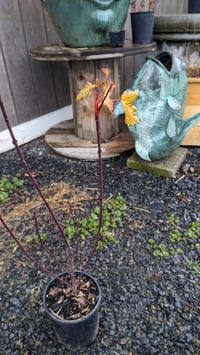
(87, 23)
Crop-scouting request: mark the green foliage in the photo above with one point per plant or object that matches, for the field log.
(113, 211)
(176, 237)
(193, 266)
(7, 186)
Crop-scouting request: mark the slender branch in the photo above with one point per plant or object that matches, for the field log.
(99, 101)
(98, 107)
(29, 256)
(105, 96)
(35, 183)
(43, 246)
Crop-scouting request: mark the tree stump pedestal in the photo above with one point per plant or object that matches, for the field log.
(76, 138)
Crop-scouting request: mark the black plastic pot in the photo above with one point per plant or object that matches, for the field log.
(75, 334)
(117, 38)
(194, 6)
(142, 26)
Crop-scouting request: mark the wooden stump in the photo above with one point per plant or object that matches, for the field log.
(80, 73)
(77, 138)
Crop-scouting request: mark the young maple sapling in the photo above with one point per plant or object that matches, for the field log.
(101, 91)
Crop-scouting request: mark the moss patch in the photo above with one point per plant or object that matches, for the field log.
(165, 167)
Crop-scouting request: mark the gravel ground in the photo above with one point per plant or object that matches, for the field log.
(151, 304)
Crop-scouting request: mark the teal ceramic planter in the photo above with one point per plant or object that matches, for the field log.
(162, 83)
(87, 23)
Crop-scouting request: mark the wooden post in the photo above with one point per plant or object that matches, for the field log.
(80, 73)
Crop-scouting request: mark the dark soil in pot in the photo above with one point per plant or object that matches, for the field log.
(74, 314)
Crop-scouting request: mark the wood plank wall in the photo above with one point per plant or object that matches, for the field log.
(30, 88)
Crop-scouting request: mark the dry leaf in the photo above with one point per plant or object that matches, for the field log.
(81, 300)
(54, 291)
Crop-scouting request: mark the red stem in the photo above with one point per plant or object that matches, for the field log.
(46, 249)
(98, 107)
(26, 253)
(35, 183)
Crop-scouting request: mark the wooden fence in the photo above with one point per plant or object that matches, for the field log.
(30, 88)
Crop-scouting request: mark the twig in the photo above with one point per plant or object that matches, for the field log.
(46, 249)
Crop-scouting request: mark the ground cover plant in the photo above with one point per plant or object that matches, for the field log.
(8, 186)
(171, 240)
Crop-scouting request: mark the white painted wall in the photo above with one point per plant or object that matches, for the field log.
(26, 132)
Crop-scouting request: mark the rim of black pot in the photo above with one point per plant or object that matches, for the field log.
(71, 320)
(142, 12)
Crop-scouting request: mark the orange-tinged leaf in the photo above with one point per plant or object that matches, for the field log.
(102, 91)
(98, 83)
(106, 71)
(88, 88)
(109, 104)
(108, 101)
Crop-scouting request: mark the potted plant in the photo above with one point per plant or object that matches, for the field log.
(72, 297)
(193, 6)
(116, 38)
(142, 20)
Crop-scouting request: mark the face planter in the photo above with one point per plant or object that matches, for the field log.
(87, 23)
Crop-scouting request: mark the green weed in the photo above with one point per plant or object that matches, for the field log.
(113, 212)
(177, 237)
(8, 186)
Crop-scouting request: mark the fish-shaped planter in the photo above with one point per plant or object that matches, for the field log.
(162, 84)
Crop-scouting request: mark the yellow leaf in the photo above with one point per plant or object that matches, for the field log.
(85, 91)
(129, 96)
(127, 99)
(130, 115)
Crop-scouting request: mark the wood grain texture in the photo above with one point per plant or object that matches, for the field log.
(59, 70)
(42, 76)
(62, 140)
(28, 88)
(17, 61)
(6, 95)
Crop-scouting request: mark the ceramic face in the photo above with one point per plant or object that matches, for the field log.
(86, 23)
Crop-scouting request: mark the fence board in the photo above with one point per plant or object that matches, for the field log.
(172, 7)
(41, 73)
(6, 95)
(17, 61)
(59, 70)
